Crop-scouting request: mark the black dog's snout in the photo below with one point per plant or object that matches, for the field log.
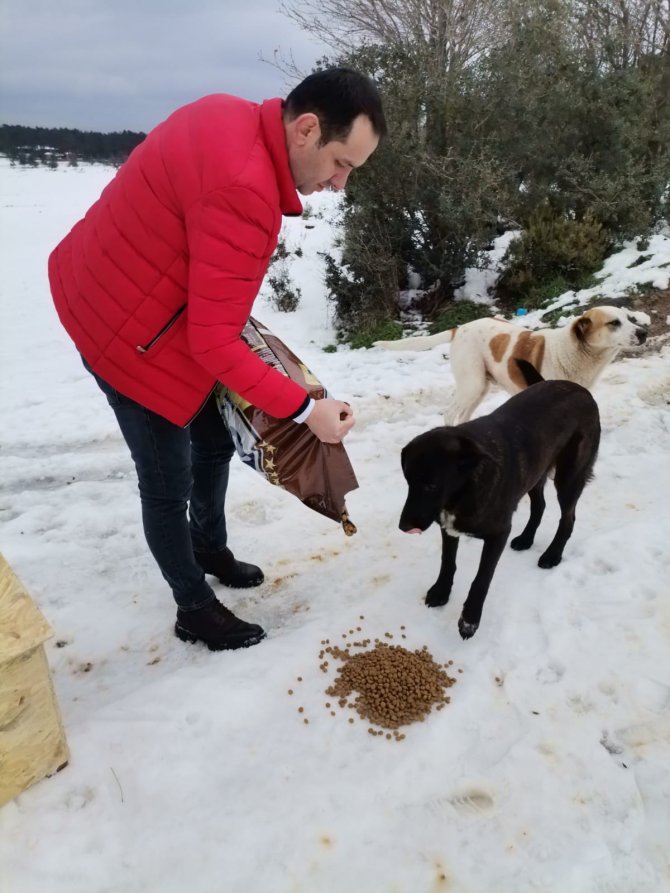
(412, 520)
(404, 523)
(641, 335)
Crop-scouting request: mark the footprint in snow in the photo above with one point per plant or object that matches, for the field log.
(472, 801)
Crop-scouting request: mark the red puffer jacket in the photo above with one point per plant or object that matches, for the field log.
(156, 282)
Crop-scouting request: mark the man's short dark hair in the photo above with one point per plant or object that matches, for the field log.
(337, 96)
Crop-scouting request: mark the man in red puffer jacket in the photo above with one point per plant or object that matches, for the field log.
(155, 284)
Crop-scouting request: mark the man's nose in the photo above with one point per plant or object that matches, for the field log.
(339, 180)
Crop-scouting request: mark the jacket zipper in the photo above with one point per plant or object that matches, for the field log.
(143, 349)
(200, 408)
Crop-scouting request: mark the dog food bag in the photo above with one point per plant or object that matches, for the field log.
(287, 454)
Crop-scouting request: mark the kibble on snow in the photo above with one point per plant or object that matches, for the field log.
(391, 686)
(387, 685)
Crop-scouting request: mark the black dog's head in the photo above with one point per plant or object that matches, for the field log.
(437, 466)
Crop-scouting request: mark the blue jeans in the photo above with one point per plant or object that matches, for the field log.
(178, 468)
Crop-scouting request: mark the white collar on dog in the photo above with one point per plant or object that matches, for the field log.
(447, 523)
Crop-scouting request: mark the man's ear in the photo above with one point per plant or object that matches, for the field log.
(305, 128)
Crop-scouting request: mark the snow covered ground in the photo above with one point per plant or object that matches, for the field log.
(190, 770)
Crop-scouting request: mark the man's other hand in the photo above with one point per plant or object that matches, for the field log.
(330, 420)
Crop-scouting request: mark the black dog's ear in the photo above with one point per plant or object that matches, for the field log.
(466, 451)
(529, 372)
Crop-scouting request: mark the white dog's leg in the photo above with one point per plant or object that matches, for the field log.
(462, 404)
(451, 409)
(471, 387)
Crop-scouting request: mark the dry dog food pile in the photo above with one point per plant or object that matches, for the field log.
(387, 685)
(393, 687)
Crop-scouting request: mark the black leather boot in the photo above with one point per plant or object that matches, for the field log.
(217, 627)
(233, 573)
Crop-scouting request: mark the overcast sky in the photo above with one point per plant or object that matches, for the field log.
(126, 64)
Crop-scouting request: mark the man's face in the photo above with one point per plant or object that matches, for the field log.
(316, 167)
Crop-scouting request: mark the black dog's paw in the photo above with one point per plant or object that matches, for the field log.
(436, 596)
(548, 560)
(467, 630)
(521, 543)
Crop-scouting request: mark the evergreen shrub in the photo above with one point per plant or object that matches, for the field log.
(554, 252)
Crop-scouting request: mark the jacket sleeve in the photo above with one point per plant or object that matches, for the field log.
(230, 238)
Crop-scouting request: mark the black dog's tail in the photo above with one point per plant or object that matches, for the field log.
(529, 372)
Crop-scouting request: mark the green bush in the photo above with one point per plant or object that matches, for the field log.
(457, 313)
(545, 293)
(280, 253)
(564, 139)
(426, 201)
(285, 295)
(552, 316)
(361, 303)
(366, 335)
(553, 255)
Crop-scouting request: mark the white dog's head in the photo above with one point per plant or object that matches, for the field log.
(609, 328)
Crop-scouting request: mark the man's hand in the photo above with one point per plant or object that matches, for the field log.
(330, 420)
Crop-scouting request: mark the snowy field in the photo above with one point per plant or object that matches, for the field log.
(549, 771)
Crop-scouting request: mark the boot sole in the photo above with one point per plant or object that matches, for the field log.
(247, 585)
(187, 636)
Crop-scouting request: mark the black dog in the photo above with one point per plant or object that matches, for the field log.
(471, 477)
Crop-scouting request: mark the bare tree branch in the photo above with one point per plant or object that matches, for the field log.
(622, 32)
(448, 32)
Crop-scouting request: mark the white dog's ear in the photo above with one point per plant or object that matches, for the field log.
(582, 327)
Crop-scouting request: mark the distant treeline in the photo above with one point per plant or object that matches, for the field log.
(49, 145)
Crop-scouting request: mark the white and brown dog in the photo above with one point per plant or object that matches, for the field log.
(484, 352)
